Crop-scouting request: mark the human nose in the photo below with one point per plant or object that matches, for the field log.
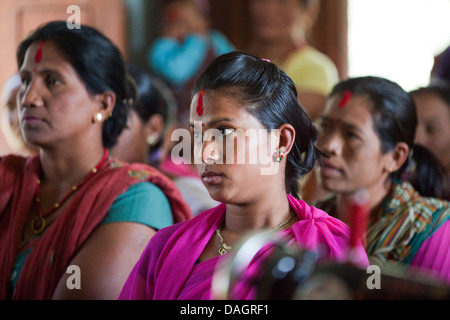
(211, 152)
(29, 95)
(331, 143)
(420, 136)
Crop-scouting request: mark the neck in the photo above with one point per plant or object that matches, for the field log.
(266, 212)
(68, 165)
(276, 51)
(376, 196)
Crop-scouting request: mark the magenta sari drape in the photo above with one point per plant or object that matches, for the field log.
(168, 268)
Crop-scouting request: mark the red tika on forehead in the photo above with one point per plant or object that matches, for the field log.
(200, 103)
(345, 98)
(38, 56)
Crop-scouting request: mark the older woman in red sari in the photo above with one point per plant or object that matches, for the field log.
(72, 204)
(237, 95)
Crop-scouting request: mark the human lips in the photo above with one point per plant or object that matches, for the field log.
(30, 119)
(211, 177)
(329, 169)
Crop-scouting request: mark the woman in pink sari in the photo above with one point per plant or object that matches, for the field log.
(241, 98)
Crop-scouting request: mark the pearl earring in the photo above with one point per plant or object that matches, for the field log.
(99, 116)
(153, 138)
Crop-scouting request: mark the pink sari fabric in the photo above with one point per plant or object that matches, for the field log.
(169, 269)
(433, 256)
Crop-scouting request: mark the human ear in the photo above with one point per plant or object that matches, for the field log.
(153, 128)
(398, 157)
(286, 138)
(105, 105)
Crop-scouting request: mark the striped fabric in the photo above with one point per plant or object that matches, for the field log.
(406, 220)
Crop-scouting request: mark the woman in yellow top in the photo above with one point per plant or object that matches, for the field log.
(279, 33)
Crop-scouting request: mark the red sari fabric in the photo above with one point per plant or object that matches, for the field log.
(53, 251)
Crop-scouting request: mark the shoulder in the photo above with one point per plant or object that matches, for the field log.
(306, 211)
(163, 43)
(218, 36)
(310, 62)
(129, 174)
(404, 194)
(136, 172)
(328, 205)
(118, 176)
(12, 162)
(318, 220)
(163, 235)
(312, 56)
(15, 168)
(181, 231)
(157, 243)
(142, 203)
(317, 230)
(220, 42)
(312, 70)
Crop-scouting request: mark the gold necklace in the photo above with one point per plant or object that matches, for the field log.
(39, 223)
(224, 248)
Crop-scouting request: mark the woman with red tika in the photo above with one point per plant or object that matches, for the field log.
(72, 204)
(236, 95)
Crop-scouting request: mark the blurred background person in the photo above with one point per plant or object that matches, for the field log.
(186, 46)
(9, 118)
(441, 67)
(150, 114)
(280, 33)
(433, 129)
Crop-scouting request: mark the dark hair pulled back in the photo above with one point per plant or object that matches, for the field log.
(395, 120)
(97, 61)
(270, 96)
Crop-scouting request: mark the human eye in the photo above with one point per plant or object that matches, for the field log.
(198, 136)
(226, 131)
(52, 81)
(351, 135)
(25, 79)
(323, 126)
(430, 129)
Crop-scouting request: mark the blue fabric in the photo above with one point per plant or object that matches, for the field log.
(178, 62)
